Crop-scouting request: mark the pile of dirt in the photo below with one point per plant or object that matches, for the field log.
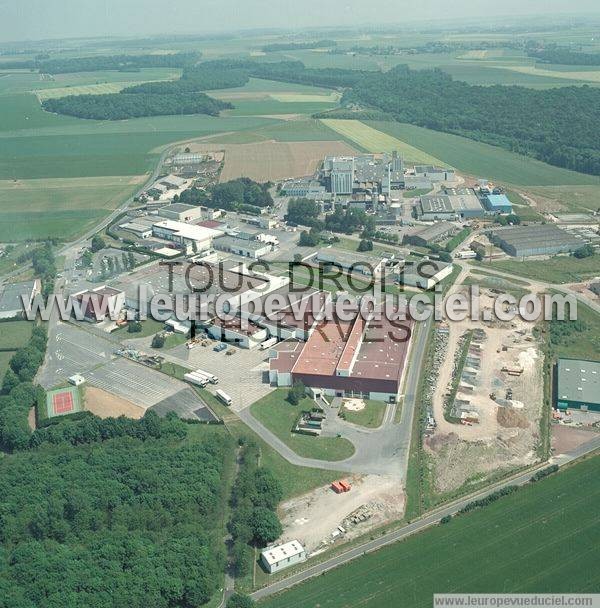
(510, 419)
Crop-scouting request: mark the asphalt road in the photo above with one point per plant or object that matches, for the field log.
(416, 526)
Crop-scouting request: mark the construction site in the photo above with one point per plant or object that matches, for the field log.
(485, 396)
(342, 511)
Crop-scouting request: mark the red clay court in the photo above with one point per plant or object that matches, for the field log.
(63, 401)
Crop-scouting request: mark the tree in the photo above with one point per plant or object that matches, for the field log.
(97, 243)
(302, 211)
(308, 239)
(238, 600)
(445, 256)
(131, 259)
(87, 258)
(158, 341)
(134, 327)
(296, 393)
(265, 526)
(584, 252)
(365, 245)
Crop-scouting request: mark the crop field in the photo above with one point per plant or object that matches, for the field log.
(268, 107)
(274, 412)
(558, 269)
(482, 160)
(84, 89)
(510, 545)
(373, 140)
(60, 208)
(269, 160)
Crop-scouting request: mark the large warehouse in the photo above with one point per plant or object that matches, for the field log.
(578, 384)
(453, 203)
(541, 239)
(349, 358)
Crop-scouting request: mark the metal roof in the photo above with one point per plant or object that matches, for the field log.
(579, 380)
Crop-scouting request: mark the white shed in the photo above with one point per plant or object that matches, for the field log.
(278, 557)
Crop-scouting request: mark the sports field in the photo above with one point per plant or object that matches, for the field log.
(544, 538)
(373, 140)
(62, 401)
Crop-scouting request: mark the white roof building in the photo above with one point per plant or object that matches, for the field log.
(186, 234)
(282, 556)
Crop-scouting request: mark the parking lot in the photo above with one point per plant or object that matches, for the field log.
(242, 375)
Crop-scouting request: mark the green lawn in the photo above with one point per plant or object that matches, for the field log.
(371, 416)
(5, 357)
(279, 417)
(482, 160)
(583, 344)
(509, 546)
(14, 334)
(558, 269)
(149, 328)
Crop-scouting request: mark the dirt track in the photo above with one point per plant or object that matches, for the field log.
(105, 404)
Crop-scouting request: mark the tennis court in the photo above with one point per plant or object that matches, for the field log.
(63, 401)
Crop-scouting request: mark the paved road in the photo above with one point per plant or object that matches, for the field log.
(416, 526)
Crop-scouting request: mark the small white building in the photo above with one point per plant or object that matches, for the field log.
(424, 274)
(77, 380)
(279, 557)
(181, 212)
(190, 238)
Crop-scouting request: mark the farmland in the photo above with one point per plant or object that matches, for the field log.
(482, 160)
(41, 208)
(373, 140)
(557, 269)
(13, 335)
(269, 160)
(530, 528)
(279, 417)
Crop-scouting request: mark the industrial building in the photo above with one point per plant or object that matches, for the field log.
(497, 203)
(451, 204)
(363, 358)
(101, 302)
(140, 230)
(578, 384)
(248, 248)
(241, 332)
(425, 274)
(429, 234)
(181, 212)
(283, 556)
(540, 239)
(16, 298)
(370, 266)
(190, 238)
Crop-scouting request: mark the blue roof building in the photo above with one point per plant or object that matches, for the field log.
(497, 203)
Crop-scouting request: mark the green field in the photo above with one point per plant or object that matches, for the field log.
(279, 417)
(36, 209)
(570, 199)
(14, 334)
(583, 344)
(482, 160)
(371, 416)
(373, 140)
(545, 538)
(558, 269)
(267, 107)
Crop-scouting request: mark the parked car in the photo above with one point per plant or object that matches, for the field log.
(219, 347)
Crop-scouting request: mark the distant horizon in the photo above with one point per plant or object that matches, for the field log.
(34, 22)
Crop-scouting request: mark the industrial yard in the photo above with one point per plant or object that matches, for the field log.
(487, 399)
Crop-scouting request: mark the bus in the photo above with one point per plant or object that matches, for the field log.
(223, 396)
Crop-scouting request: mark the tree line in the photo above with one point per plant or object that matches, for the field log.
(97, 63)
(298, 46)
(120, 106)
(565, 56)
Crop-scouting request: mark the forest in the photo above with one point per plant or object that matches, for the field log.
(125, 523)
(564, 56)
(119, 106)
(199, 78)
(560, 126)
(96, 63)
